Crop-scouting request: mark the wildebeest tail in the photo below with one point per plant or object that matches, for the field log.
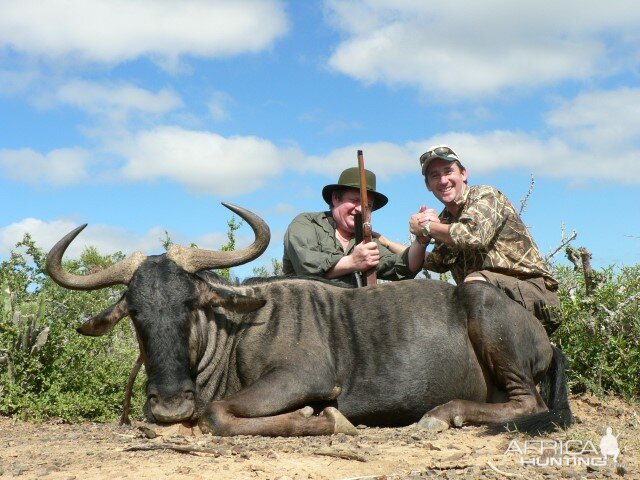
(555, 393)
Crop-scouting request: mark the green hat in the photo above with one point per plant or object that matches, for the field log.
(351, 178)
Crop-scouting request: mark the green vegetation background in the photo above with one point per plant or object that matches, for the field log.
(47, 370)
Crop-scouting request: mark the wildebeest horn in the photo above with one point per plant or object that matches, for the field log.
(196, 259)
(120, 273)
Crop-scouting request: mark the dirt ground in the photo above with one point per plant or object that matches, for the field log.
(100, 451)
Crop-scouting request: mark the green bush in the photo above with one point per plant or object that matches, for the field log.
(600, 332)
(48, 369)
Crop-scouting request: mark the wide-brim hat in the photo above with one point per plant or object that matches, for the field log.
(350, 178)
(443, 152)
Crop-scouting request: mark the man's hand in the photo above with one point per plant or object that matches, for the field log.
(420, 219)
(365, 256)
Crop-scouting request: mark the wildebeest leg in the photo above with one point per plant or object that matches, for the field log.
(126, 405)
(515, 351)
(256, 410)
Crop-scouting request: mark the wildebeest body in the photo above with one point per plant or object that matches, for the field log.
(393, 350)
(252, 359)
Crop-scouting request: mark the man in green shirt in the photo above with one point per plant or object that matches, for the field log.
(323, 243)
(479, 236)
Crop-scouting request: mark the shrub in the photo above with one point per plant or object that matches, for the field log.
(49, 369)
(600, 332)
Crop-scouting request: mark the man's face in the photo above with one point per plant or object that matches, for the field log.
(345, 208)
(446, 180)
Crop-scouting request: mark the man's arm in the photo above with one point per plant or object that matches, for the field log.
(475, 228)
(478, 225)
(395, 247)
(436, 230)
(303, 249)
(312, 250)
(400, 266)
(426, 225)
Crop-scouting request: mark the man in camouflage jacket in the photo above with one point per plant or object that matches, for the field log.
(480, 236)
(323, 243)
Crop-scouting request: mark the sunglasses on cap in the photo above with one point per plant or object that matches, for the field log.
(438, 152)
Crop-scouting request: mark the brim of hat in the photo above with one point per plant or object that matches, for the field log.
(426, 164)
(379, 200)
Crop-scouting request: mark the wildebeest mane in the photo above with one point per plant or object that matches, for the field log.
(279, 278)
(214, 277)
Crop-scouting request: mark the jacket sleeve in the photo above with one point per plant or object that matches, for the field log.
(309, 249)
(436, 260)
(394, 266)
(478, 225)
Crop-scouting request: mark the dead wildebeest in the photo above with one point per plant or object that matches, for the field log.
(297, 356)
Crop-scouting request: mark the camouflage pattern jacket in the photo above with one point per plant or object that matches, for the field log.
(311, 248)
(489, 235)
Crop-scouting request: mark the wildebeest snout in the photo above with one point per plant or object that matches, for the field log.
(171, 406)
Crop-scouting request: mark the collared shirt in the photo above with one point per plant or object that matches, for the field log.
(488, 234)
(311, 248)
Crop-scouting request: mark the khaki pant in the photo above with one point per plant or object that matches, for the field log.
(531, 293)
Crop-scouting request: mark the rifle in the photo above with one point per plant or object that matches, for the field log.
(358, 224)
(370, 276)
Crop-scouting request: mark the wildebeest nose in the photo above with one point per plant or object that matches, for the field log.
(170, 407)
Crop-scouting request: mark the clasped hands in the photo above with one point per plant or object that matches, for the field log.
(419, 220)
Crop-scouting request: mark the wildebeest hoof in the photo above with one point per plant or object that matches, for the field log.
(458, 421)
(433, 424)
(340, 422)
(306, 412)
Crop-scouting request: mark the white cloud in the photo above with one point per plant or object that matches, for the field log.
(65, 166)
(593, 137)
(47, 233)
(518, 150)
(470, 49)
(606, 121)
(383, 158)
(107, 239)
(114, 101)
(205, 161)
(114, 31)
(553, 157)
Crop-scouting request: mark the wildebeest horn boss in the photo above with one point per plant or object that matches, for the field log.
(297, 356)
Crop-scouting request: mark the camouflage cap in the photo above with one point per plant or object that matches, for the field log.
(443, 152)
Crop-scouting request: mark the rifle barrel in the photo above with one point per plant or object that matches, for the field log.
(370, 276)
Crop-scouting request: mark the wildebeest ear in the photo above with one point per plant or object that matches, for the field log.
(229, 298)
(103, 323)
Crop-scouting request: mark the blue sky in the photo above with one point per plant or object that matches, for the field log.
(141, 116)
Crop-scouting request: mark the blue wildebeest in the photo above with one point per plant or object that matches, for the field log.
(305, 357)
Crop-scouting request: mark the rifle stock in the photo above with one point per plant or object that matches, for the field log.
(371, 277)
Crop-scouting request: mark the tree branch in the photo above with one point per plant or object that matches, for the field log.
(525, 199)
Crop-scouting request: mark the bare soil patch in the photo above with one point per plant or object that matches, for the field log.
(98, 451)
